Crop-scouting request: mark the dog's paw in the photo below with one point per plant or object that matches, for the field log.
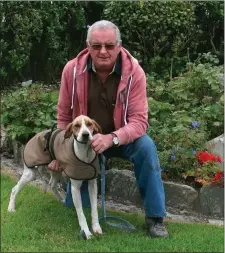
(11, 209)
(97, 229)
(86, 235)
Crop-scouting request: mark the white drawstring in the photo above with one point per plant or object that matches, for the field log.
(74, 77)
(128, 92)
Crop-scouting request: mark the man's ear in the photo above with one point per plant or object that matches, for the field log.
(97, 128)
(87, 44)
(68, 131)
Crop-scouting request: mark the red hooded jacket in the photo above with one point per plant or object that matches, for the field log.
(131, 108)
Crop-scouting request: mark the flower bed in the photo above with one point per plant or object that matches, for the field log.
(206, 170)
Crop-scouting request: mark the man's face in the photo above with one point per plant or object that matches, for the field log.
(103, 48)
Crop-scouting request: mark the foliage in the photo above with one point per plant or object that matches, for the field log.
(185, 113)
(210, 21)
(27, 111)
(165, 35)
(38, 38)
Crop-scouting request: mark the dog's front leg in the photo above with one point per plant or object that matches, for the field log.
(75, 190)
(93, 192)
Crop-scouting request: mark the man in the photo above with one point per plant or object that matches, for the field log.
(106, 83)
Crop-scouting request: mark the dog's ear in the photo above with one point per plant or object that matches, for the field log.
(97, 128)
(68, 131)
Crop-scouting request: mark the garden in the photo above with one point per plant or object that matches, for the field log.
(178, 44)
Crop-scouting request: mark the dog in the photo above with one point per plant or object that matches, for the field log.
(79, 133)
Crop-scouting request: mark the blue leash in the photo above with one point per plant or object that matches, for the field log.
(126, 225)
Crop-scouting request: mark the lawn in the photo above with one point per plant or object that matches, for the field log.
(41, 224)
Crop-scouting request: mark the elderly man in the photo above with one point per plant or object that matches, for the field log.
(106, 83)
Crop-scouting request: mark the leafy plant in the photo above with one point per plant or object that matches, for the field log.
(163, 36)
(38, 38)
(185, 113)
(27, 111)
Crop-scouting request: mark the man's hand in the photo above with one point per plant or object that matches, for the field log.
(101, 142)
(54, 165)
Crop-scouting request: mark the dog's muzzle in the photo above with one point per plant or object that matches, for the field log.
(85, 138)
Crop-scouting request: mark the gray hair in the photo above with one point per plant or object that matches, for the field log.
(104, 24)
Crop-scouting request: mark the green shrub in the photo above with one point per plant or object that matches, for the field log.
(163, 36)
(27, 111)
(38, 38)
(184, 114)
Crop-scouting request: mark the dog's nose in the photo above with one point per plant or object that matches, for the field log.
(85, 135)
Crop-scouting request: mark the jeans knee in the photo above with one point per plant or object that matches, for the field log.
(145, 145)
(146, 152)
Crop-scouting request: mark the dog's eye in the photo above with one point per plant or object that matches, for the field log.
(89, 124)
(77, 125)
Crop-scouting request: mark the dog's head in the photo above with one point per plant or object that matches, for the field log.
(83, 128)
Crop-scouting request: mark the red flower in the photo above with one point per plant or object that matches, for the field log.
(206, 157)
(219, 159)
(219, 176)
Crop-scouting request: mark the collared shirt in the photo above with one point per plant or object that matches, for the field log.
(102, 96)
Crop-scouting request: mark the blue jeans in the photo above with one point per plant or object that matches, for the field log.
(143, 154)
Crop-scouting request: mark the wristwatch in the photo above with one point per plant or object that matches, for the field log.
(115, 140)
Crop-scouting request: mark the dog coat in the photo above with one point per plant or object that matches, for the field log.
(37, 152)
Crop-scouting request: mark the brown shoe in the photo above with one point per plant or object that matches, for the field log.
(156, 228)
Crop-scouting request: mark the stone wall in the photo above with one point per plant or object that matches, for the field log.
(180, 198)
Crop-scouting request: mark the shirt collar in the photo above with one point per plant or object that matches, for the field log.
(116, 68)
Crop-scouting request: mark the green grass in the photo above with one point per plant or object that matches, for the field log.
(41, 224)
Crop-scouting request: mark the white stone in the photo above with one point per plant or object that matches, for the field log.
(216, 146)
(27, 83)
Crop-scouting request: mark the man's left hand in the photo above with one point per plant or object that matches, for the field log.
(101, 142)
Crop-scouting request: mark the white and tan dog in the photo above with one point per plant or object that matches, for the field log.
(82, 128)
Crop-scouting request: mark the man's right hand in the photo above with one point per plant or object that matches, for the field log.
(54, 165)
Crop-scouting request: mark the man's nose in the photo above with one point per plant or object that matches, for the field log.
(103, 50)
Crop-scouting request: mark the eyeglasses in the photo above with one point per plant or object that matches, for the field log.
(96, 46)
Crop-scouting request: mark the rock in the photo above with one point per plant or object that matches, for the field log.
(5, 143)
(27, 83)
(17, 152)
(221, 78)
(180, 197)
(212, 200)
(3, 138)
(121, 184)
(216, 222)
(121, 187)
(112, 203)
(216, 146)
